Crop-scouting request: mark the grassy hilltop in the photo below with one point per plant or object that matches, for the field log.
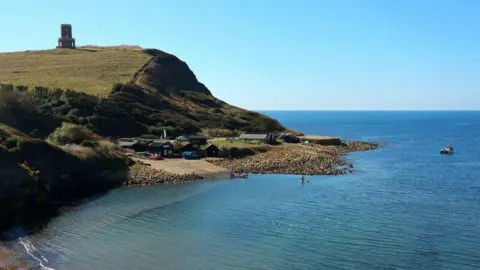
(92, 70)
(115, 91)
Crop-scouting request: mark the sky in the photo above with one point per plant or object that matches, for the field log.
(285, 54)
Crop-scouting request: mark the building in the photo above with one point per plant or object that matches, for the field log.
(162, 147)
(265, 138)
(211, 150)
(198, 139)
(66, 40)
(138, 145)
(126, 143)
(290, 139)
(143, 144)
(191, 147)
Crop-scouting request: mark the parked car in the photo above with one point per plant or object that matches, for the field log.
(190, 155)
(182, 139)
(153, 157)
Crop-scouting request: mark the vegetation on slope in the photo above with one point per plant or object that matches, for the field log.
(92, 70)
(166, 95)
(34, 171)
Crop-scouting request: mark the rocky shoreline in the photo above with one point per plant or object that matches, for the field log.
(143, 175)
(298, 159)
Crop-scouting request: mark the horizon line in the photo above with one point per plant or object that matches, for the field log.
(378, 110)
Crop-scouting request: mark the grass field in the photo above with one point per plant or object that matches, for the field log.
(93, 70)
(222, 142)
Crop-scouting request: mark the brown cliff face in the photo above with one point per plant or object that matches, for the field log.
(167, 95)
(166, 73)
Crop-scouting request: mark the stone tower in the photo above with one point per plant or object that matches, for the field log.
(66, 40)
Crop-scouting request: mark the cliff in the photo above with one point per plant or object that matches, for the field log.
(149, 91)
(162, 93)
(34, 171)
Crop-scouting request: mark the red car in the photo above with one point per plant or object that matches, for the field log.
(156, 158)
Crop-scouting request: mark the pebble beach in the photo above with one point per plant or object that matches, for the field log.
(298, 159)
(143, 175)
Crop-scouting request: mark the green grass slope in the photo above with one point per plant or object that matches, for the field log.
(91, 70)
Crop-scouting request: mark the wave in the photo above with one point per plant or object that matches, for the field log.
(34, 253)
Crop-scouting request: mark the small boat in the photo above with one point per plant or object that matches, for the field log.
(238, 175)
(447, 150)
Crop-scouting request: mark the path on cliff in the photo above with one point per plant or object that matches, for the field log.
(140, 71)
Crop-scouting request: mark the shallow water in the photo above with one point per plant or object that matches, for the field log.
(407, 207)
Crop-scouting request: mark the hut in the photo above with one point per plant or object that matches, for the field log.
(265, 138)
(161, 147)
(198, 139)
(211, 150)
(138, 145)
(290, 139)
(143, 145)
(190, 147)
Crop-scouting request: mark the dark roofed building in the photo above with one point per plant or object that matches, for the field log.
(253, 137)
(190, 147)
(126, 143)
(139, 145)
(290, 139)
(144, 141)
(211, 150)
(161, 147)
(199, 139)
(265, 138)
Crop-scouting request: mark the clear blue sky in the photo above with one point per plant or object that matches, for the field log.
(285, 54)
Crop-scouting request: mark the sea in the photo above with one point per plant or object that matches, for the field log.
(405, 207)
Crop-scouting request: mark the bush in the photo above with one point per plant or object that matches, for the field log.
(117, 87)
(154, 130)
(149, 136)
(90, 144)
(71, 133)
(177, 147)
(220, 132)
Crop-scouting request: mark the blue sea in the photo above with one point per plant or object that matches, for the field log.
(406, 207)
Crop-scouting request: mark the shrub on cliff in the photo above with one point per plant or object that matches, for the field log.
(220, 132)
(15, 103)
(71, 133)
